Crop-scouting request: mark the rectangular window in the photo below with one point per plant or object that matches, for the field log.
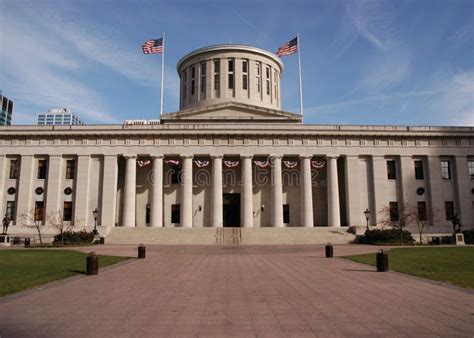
(275, 84)
(393, 206)
(230, 71)
(245, 77)
(217, 72)
(67, 211)
(176, 213)
(147, 214)
(39, 208)
(446, 170)
(11, 210)
(449, 210)
(267, 74)
(470, 165)
(185, 83)
(176, 174)
(203, 77)
(421, 211)
(70, 169)
(42, 169)
(193, 82)
(391, 170)
(419, 174)
(14, 169)
(257, 77)
(286, 213)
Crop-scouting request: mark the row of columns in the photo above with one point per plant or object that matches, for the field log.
(217, 192)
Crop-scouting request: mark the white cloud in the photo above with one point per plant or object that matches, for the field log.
(456, 100)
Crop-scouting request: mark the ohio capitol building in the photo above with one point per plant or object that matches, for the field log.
(230, 157)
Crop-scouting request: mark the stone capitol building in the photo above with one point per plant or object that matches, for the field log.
(231, 158)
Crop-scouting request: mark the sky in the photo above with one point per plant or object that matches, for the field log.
(363, 62)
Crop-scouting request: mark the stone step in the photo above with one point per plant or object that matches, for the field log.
(228, 236)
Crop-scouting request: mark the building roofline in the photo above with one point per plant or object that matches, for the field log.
(228, 47)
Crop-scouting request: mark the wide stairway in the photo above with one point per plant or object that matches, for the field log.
(229, 236)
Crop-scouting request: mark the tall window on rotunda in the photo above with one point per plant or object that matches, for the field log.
(193, 79)
(257, 77)
(267, 77)
(203, 77)
(230, 71)
(245, 75)
(217, 76)
(185, 83)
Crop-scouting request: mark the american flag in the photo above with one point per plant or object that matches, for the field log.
(288, 48)
(153, 46)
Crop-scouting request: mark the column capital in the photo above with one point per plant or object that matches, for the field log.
(130, 157)
(304, 157)
(276, 156)
(216, 157)
(246, 156)
(157, 156)
(187, 156)
(332, 157)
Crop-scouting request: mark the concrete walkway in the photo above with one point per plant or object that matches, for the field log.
(264, 291)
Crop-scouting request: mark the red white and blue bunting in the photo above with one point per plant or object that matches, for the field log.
(262, 164)
(175, 162)
(290, 164)
(231, 164)
(143, 163)
(201, 164)
(318, 164)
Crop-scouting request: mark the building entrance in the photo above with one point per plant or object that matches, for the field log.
(231, 210)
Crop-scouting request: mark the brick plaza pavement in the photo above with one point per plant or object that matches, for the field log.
(264, 291)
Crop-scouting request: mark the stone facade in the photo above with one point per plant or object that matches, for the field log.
(235, 162)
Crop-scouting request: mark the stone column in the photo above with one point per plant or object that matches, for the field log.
(109, 191)
(306, 192)
(334, 217)
(379, 182)
(81, 195)
(435, 193)
(157, 193)
(216, 206)
(55, 175)
(247, 192)
(4, 166)
(26, 187)
(463, 191)
(408, 182)
(353, 207)
(130, 190)
(277, 191)
(187, 192)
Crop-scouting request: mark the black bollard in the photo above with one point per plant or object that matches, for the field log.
(382, 261)
(92, 264)
(102, 240)
(329, 251)
(27, 242)
(141, 251)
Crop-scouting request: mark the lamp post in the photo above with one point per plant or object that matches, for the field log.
(95, 213)
(367, 216)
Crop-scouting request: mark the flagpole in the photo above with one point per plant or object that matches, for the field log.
(299, 72)
(162, 75)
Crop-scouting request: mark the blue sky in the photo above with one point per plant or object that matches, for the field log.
(364, 62)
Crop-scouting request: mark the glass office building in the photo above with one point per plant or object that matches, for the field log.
(6, 111)
(61, 116)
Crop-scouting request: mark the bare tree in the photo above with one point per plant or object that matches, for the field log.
(29, 220)
(401, 218)
(56, 220)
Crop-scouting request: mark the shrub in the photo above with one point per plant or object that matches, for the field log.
(74, 238)
(391, 236)
(468, 236)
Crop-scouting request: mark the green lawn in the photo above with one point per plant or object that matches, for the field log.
(453, 265)
(24, 269)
